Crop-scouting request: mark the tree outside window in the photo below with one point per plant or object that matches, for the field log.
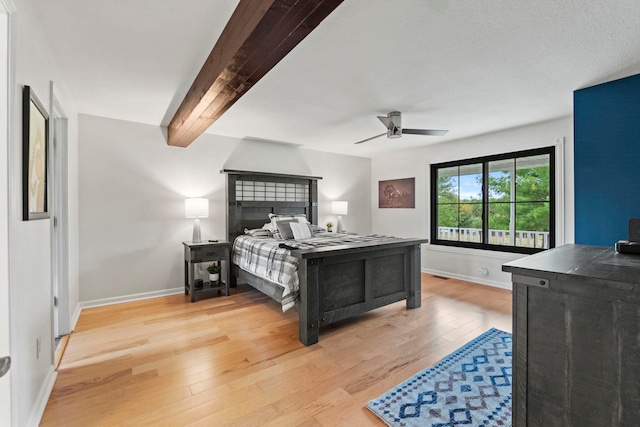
(498, 202)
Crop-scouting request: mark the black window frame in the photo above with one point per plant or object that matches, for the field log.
(484, 161)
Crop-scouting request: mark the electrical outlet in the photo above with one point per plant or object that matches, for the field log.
(37, 348)
(483, 271)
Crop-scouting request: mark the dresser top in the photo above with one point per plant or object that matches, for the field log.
(580, 261)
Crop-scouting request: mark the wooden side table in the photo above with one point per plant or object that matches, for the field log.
(195, 253)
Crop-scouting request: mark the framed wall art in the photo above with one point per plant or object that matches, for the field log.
(397, 193)
(35, 153)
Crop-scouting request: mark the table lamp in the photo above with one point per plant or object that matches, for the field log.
(339, 208)
(196, 208)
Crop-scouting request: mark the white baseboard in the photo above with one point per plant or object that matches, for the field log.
(74, 318)
(43, 397)
(474, 279)
(127, 298)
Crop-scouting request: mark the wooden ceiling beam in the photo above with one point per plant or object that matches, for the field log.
(258, 35)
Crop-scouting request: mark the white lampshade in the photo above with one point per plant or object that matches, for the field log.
(340, 208)
(196, 208)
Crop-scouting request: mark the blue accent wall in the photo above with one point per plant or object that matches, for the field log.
(607, 160)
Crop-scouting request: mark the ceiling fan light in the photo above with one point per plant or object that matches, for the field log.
(394, 132)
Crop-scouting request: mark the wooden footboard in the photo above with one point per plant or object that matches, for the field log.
(338, 283)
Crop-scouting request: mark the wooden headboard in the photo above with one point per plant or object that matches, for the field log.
(252, 196)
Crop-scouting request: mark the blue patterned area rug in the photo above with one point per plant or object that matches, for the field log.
(471, 386)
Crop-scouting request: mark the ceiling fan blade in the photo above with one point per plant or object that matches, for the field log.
(433, 132)
(369, 139)
(386, 121)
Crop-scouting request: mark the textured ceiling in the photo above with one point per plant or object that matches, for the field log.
(470, 67)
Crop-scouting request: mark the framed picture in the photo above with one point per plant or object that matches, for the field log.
(35, 153)
(397, 193)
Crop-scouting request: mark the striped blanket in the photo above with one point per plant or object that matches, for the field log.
(271, 259)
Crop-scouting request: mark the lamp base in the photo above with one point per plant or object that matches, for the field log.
(339, 225)
(196, 231)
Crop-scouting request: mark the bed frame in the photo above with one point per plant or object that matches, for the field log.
(336, 282)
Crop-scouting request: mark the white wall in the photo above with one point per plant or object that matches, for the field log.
(30, 241)
(132, 190)
(345, 178)
(5, 381)
(460, 262)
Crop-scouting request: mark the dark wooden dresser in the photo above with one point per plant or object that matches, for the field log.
(576, 329)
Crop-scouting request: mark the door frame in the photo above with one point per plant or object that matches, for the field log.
(7, 328)
(60, 222)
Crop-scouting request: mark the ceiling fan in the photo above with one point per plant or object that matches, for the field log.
(393, 122)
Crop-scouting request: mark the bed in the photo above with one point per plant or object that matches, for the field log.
(335, 282)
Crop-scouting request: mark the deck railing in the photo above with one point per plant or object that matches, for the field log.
(523, 238)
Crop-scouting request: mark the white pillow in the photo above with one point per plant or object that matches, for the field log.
(269, 226)
(258, 232)
(300, 230)
(275, 218)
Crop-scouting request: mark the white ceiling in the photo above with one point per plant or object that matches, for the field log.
(468, 66)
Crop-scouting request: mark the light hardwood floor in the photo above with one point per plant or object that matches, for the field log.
(237, 360)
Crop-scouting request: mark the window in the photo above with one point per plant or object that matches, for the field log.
(503, 202)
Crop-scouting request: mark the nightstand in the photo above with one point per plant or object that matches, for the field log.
(195, 253)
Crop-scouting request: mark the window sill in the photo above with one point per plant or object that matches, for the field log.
(476, 252)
